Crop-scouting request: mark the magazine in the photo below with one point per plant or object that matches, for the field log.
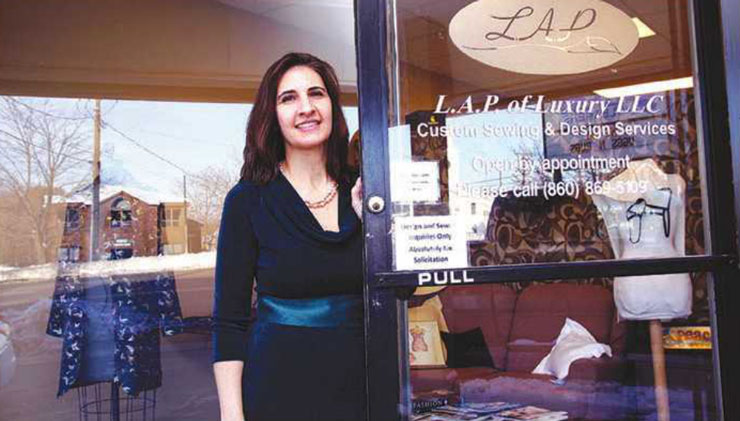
(487, 408)
(433, 416)
(490, 411)
(530, 413)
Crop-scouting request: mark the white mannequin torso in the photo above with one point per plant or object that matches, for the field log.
(646, 222)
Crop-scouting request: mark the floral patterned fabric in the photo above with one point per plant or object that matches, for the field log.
(142, 306)
(536, 230)
(518, 232)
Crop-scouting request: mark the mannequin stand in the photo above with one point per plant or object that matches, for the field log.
(115, 408)
(661, 384)
(94, 406)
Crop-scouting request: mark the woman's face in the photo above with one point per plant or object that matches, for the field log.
(303, 108)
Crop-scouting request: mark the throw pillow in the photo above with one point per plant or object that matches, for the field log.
(573, 343)
(467, 349)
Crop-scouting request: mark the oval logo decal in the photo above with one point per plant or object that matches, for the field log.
(544, 37)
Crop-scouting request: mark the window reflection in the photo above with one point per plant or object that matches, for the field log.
(120, 213)
(80, 325)
(140, 312)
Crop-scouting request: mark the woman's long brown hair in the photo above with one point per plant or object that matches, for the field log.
(264, 147)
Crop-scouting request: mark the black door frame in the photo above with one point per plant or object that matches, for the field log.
(714, 21)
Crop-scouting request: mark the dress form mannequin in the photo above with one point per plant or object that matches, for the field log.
(98, 363)
(644, 212)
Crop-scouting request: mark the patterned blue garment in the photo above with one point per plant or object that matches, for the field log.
(142, 305)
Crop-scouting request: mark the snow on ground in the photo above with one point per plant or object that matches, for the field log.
(180, 262)
(28, 273)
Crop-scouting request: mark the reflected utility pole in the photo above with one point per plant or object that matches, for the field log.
(185, 210)
(95, 208)
(115, 412)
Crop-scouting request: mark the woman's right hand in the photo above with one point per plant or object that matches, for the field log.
(240, 418)
(356, 194)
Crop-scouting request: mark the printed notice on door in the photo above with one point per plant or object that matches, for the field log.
(415, 181)
(429, 242)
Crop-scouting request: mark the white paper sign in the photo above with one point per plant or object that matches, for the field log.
(399, 143)
(415, 181)
(428, 242)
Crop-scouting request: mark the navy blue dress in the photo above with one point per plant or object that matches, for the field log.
(304, 355)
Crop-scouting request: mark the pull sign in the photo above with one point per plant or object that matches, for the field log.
(445, 277)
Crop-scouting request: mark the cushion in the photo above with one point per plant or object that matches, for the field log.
(467, 349)
(573, 343)
(541, 311)
(448, 379)
(489, 307)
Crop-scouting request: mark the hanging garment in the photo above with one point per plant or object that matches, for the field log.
(97, 360)
(142, 305)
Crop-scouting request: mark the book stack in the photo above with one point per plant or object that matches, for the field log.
(492, 411)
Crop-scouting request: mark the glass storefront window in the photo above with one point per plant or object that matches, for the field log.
(544, 132)
(158, 231)
(493, 111)
(161, 236)
(149, 295)
(133, 303)
(520, 132)
(558, 346)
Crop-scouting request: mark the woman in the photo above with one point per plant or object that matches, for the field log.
(290, 224)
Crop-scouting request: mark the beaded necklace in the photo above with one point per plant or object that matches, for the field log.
(319, 203)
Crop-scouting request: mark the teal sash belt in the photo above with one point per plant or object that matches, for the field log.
(330, 311)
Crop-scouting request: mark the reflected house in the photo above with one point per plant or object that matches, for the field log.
(473, 212)
(133, 223)
(173, 230)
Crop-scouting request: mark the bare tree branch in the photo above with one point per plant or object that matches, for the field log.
(206, 192)
(44, 150)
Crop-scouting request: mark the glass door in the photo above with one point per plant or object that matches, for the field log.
(541, 191)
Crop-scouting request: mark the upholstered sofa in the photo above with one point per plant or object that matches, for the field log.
(520, 329)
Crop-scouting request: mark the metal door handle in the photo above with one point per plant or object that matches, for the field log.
(375, 204)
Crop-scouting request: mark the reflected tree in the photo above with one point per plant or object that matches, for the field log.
(206, 191)
(529, 150)
(44, 148)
